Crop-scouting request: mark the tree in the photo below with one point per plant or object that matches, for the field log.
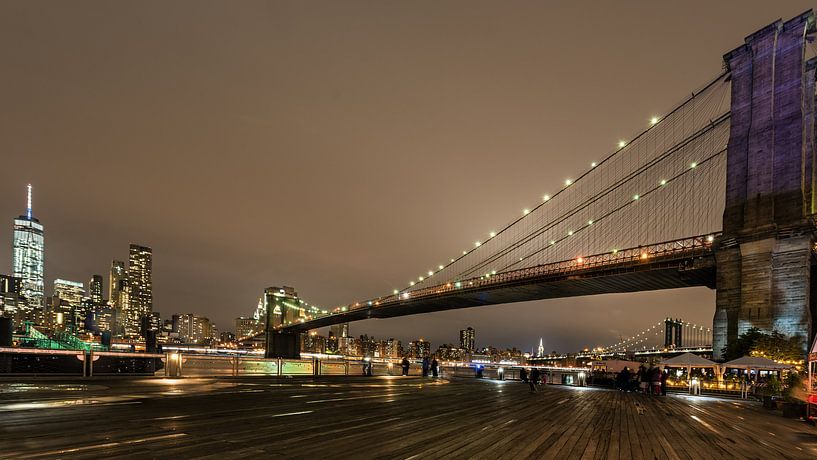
(743, 345)
(774, 346)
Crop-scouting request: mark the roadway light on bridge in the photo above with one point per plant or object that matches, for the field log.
(654, 120)
(395, 292)
(622, 144)
(570, 233)
(593, 164)
(693, 165)
(568, 182)
(590, 222)
(458, 284)
(452, 261)
(492, 234)
(710, 238)
(411, 283)
(464, 253)
(580, 260)
(663, 182)
(615, 251)
(546, 198)
(430, 273)
(493, 272)
(525, 212)
(552, 242)
(440, 267)
(635, 197)
(643, 255)
(477, 244)
(420, 278)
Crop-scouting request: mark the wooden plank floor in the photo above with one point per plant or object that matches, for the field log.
(380, 417)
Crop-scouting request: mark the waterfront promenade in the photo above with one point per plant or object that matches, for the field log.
(379, 417)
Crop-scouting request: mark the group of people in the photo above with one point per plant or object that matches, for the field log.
(647, 380)
(429, 366)
(533, 379)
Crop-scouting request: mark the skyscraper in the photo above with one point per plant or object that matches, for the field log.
(140, 275)
(468, 339)
(119, 298)
(95, 289)
(28, 259)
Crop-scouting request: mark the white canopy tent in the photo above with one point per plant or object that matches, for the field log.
(690, 361)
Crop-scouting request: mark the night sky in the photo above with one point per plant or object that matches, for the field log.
(339, 147)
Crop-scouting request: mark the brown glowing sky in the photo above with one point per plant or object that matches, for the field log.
(340, 147)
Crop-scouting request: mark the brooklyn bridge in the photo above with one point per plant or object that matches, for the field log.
(717, 192)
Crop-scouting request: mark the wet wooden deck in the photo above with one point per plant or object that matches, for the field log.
(358, 417)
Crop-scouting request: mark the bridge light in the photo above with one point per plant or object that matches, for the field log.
(643, 255)
(622, 144)
(464, 253)
(693, 165)
(654, 120)
(452, 261)
(590, 222)
(395, 292)
(458, 284)
(411, 283)
(493, 272)
(440, 267)
(546, 197)
(552, 242)
(570, 233)
(430, 273)
(710, 238)
(593, 164)
(568, 182)
(492, 234)
(477, 244)
(579, 260)
(526, 212)
(615, 251)
(663, 182)
(420, 278)
(635, 197)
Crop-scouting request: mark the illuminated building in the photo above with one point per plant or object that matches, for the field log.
(245, 327)
(468, 339)
(119, 296)
(194, 328)
(419, 348)
(140, 269)
(28, 257)
(71, 294)
(95, 289)
(12, 303)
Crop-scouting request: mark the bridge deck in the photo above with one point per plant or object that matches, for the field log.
(381, 418)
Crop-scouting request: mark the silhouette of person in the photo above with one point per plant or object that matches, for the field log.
(434, 368)
(425, 366)
(405, 365)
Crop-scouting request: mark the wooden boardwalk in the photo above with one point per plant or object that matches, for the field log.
(358, 417)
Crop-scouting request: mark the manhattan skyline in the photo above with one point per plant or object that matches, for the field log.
(235, 164)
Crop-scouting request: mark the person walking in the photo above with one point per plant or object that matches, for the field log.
(523, 375)
(664, 377)
(643, 379)
(533, 380)
(435, 368)
(405, 364)
(425, 366)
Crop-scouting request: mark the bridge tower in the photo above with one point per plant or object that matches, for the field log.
(765, 267)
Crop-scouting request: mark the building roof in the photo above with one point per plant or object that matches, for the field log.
(756, 362)
(688, 360)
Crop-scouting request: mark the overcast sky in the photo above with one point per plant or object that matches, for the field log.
(339, 147)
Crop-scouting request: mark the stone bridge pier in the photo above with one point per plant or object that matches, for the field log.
(765, 258)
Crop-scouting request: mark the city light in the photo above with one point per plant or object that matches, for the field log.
(492, 234)
(546, 198)
(622, 144)
(568, 182)
(663, 182)
(693, 165)
(526, 211)
(654, 120)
